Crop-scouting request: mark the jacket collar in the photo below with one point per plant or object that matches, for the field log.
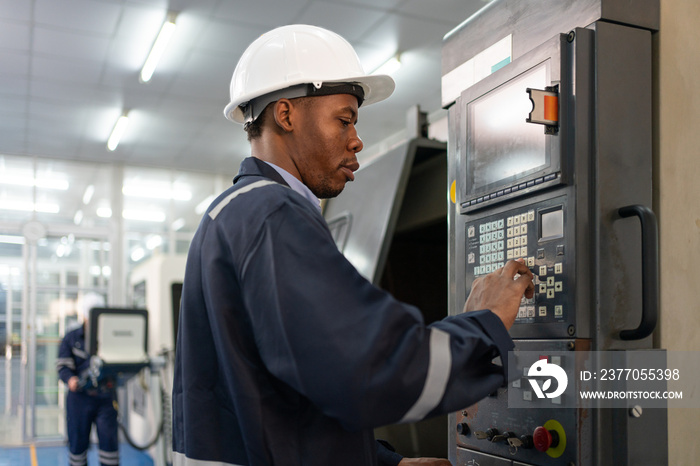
(255, 167)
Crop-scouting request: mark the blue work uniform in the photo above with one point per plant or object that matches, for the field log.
(88, 405)
(286, 355)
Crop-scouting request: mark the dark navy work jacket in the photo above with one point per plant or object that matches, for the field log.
(286, 355)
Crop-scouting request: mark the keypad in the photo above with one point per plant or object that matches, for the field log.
(494, 240)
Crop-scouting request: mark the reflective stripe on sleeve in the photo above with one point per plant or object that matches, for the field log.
(436, 380)
(180, 459)
(65, 362)
(224, 202)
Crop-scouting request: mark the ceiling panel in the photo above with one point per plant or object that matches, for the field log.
(15, 35)
(350, 21)
(93, 16)
(264, 13)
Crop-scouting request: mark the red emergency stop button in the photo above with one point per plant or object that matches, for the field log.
(545, 439)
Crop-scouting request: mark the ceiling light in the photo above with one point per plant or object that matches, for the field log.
(46, 183)
(78, 217)
(154, 241)
(9, 239)
(138, 254)
(157, 192)
(390, 66)
(43, 207)
(166, 32)
(178, 224)
(144, 215)
(118, 131)
(87, 195)
(104, 212)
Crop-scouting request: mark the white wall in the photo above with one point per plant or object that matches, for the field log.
(677, 198)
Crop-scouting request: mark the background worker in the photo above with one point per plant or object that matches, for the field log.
(87, 405)
(286, 355)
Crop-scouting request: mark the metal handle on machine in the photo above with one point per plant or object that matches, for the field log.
(650, 271)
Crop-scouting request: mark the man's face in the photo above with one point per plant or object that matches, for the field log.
(326, 143)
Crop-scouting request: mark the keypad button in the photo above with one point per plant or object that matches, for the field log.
(523, 229)
(543, 288)
(500, 223)
(509, 254)
(543, 270)
(523, 240)
(550, 293)
(516, 220)
(516, 231)
(471, 231)
(482, 228)
(509, 221)
(530, 215)
(523, 218)
(558, 310)
(531, 311)
(509, 232)
(540, 253)
(530, 261)
(558, 286)
(523, 251)
(550, 281)
(516, 241)
(471, 258)
(500, 246)
(542, 311)
(558, 268)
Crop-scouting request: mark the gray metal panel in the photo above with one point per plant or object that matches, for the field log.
(374, 201)
(623, 171)
(532, 23)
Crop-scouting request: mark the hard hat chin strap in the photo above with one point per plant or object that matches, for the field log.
(255, 107)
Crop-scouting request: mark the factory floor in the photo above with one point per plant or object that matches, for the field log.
(58, 456)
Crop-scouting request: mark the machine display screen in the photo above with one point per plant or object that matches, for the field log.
(501, 146)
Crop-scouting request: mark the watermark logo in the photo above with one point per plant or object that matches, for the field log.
(543, 368)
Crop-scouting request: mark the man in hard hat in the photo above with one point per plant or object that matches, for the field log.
(87, 405)
(286, 355)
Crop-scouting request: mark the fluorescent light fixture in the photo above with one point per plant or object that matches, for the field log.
(178, 224)
(43, 207)
(87, 195)
(144, 215)
(9, 239)
(138, 254)
(46, 183)
(104, 212)
(118, 131)
(78, 217)
(166, 32)
(202, 206)
(390, 66)
(154, 241)
(157, 192)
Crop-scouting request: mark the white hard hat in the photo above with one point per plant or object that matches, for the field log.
(295, 61)
(89, 301)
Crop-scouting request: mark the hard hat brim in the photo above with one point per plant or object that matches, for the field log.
(376, 87)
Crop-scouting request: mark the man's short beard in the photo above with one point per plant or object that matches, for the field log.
(325, 191)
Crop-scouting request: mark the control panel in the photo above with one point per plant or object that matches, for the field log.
(535, 233)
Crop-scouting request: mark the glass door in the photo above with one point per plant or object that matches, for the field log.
(42, 291)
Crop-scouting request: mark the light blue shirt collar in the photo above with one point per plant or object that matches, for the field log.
(296, 185)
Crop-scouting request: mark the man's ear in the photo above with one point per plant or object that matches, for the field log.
(282, 111)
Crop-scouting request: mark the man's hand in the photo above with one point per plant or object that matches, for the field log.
(501, 291)
(424, 461)
(73, 383)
